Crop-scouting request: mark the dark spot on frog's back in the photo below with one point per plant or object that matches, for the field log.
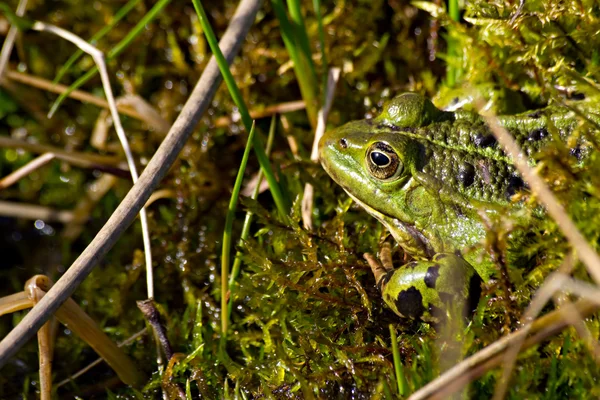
(515, 184)
(423, 157)
(535, 114)
(431, 276)
(410, 303)
(578, 153)
(483, 141)
(537, 134)
(466, 174)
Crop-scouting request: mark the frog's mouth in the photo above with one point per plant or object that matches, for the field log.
(418, 245)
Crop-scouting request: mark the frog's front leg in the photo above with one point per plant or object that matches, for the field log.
(427, 290)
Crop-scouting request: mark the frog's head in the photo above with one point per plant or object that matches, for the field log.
(372, 160)
(379, 165)
(376, 166)
(372, 163)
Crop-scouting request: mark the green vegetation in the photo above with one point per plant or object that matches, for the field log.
(305, 318)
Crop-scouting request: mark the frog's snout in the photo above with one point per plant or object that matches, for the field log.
(329, 143)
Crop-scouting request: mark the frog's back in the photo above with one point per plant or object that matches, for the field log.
(460, 151)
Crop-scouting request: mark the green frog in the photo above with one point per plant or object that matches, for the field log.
(428, 176)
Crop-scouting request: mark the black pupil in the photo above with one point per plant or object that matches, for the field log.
(379, 159)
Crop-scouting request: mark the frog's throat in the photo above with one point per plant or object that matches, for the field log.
(406, 235)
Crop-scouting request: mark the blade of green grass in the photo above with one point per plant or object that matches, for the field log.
(280, 201)
(303, 68)
(23, 24)
(400, 378)
(301, 35)
(324, 63)
(454, 10)
(123, 11)
(114, 52)
(237, 262)
(188, 390)
(451, 71)
(226, 248)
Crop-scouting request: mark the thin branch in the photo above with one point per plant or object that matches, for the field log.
(131, 110)
(98, 57)
(150, 313)
(80, 95)
(125, 213)
(541, 298)
(73, 317)
(159, 195)
(25, 170)
(280, 108)
(307, 199)
(10, 38)
(109, 164)
(15, 302)
(151, 115)
(32, 211)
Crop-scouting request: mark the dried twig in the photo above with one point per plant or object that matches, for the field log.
(148, 309)
(32, 211)
(551, 285)
(132, 110)
(10, 38)
(307, 199)
(25, 170)
(151, 115)
(98, 57)
(83, 160)
(281, 108)
(75, 94)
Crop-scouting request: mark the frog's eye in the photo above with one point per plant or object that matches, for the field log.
(383, 162)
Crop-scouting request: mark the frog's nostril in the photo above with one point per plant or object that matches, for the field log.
(343, 143)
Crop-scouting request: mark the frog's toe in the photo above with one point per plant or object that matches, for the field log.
(385, 256)
(383, 267)
(382, 275)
